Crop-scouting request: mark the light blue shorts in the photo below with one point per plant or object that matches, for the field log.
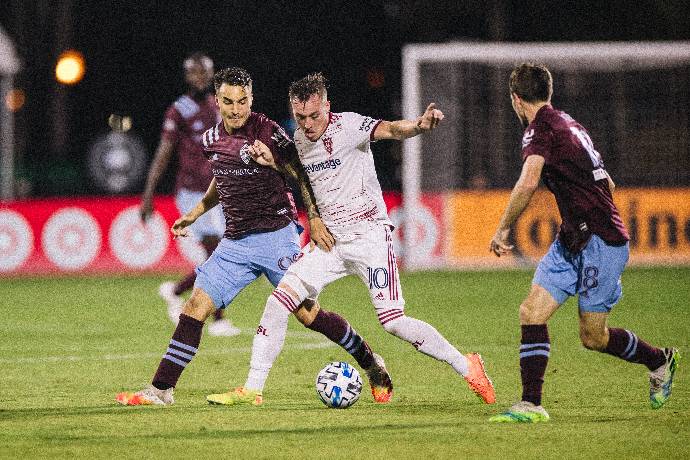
(594, 274)
(236, 263)
(211, 223)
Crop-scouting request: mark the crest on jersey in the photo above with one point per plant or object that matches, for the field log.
(527, 138)
(328, 145)
(244, 153)
(214, 157)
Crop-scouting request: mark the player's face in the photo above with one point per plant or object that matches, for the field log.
(311, 116)
(519, 109)
(198, 77)
(235, 104)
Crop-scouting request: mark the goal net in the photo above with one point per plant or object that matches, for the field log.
(632, 97)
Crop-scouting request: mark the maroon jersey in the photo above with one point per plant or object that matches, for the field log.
(185, 121)
(574, 172)
(254, 198)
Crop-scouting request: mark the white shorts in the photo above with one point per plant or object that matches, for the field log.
(370, 256)
(211, 223)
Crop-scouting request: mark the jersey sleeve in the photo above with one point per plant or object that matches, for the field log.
(536, 141)
(361, 127)
(172, 125)
(278, 141)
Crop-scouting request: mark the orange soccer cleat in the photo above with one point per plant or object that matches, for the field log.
(477, 379)
(146, 397)
(380, 381)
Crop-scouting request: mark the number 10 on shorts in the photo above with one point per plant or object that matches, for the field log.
(378, 277)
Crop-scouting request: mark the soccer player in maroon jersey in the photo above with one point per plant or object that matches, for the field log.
(261, 237)
(185, 120)
(586, 259)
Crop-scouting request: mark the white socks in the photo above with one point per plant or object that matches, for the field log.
(426, 339)
(268, 342)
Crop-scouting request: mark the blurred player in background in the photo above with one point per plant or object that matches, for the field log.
(586, 259)
(185, 121)
(261, 237)
(334, 149)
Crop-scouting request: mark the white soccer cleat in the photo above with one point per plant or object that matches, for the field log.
(661, 379)
(223, 328)
(174, 302)
(522, 412)
(149, 396)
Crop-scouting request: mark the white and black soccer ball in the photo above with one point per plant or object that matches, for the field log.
(338, 385)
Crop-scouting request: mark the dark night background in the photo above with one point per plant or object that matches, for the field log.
(134, 51)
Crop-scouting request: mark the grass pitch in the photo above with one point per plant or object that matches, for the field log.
(70, 344)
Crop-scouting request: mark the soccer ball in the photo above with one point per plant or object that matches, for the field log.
(338, 385)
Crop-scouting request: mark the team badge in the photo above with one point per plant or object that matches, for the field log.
(328, 145)
(244, 153)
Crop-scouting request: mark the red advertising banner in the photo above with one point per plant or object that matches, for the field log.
(105, 234)
(98, 235)
(90, 235)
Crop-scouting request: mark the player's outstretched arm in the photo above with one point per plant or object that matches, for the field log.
(160, 162)
(209, 201)
(404, 129)
(319, 233)
(519, 199)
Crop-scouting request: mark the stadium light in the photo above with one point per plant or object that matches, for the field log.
(70, 67)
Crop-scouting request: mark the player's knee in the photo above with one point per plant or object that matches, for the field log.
(307, 311)
(199, 306)
(284, 297)
(393, 326)
(530, 313)
(593, 339)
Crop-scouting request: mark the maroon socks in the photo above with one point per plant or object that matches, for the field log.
(535, 348)
(182, 348)
(338, 330)
(624, 344)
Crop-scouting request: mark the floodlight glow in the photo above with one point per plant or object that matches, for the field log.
(70, 67)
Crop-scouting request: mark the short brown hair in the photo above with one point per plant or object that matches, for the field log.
(303, 89)
(233, 76)
(531, 82)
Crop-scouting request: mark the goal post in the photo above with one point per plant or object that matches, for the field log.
(610, 87)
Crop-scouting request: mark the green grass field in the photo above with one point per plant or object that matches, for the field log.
(70, 344)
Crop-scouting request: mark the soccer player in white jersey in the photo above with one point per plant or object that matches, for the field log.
(334, 149)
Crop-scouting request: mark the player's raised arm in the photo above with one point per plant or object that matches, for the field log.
(319, 233)
(404, 129)
(209, 201)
